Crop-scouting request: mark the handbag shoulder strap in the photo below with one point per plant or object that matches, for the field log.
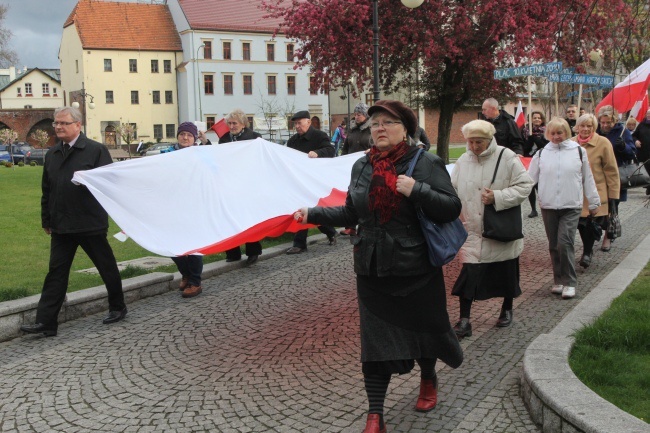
(409, 172)
(494, 176)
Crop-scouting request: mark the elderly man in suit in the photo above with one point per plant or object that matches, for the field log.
(316, 144)
(73, 217)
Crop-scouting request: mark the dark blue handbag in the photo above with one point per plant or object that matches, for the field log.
(443, 240)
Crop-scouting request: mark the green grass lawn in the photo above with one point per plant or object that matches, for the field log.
(26, 248)
(612, 356)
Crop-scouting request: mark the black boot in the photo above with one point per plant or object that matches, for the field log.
(533, 213)
(505, 318)
(463, 328)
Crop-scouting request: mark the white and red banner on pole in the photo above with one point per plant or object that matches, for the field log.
(631, 94)
(520, 119)
(207, 199)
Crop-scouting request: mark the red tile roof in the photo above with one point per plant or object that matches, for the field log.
(124, 26)
(228, 15)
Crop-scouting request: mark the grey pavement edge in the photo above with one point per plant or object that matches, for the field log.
(555, 397)
(94, 300)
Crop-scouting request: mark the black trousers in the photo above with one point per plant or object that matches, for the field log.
(252, 249)
(300, 239)
(63, 248)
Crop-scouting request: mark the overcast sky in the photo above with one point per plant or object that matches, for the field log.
(37, 26)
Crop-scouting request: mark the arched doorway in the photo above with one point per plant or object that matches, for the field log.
(110, 136)
(44, 125)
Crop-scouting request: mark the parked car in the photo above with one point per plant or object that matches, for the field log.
(4, 156)
(37, 155)
(15, 151)
(156, 149)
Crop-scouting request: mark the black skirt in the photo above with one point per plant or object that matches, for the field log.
(479, 281)
(399, 326)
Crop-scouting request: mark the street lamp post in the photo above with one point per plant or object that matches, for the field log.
(91, 104)
(411, 4)
(198, 81)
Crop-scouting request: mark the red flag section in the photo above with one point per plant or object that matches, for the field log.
(220, 128)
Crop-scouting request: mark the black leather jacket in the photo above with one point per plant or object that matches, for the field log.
(398, 246)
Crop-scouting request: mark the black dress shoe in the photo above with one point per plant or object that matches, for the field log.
(585, 261)
(39, 328)
(463, 328)
(114, 316)
(251, 259)
(533, 214)
(332, 240)
(296, 250)
(505, 319)
(230, 259)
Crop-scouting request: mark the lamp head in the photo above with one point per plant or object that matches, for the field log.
(412, 3)
(75, 104)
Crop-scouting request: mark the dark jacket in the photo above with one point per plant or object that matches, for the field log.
(313, 139)
(642, 133)
(508, 134)
(420, 136)
(65, 207)
(358, 139)
(624, 150)
(397, 247)
(245, 134)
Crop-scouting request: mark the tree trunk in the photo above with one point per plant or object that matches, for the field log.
(444, 128)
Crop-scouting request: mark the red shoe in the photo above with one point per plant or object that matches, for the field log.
(373, 424)
(184, 283)
(348, 232)
(428, 396)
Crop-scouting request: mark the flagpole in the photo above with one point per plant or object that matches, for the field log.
(530, 106)
(579, 98)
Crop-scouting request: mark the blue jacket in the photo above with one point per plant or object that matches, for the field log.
(624, 153)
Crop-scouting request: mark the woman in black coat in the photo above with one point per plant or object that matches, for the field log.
(402, 300)
(532, 143)
(239, 131)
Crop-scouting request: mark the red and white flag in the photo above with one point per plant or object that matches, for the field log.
(208, 199)
(631, 93)
(520, 119)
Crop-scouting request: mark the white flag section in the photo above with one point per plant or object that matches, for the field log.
(207, 199)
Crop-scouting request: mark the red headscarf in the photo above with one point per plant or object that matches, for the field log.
(383, 195)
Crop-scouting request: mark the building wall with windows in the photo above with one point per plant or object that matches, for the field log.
(125, 84)
(224, 69)
(31, 88)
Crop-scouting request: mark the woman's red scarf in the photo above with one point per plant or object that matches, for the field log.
(383, 195)
(583, 141)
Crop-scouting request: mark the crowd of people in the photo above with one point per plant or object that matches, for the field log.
(573, 176)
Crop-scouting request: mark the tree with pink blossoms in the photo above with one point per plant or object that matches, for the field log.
(457, 44)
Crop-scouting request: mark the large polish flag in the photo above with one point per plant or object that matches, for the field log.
(208, 199)
(631, 94)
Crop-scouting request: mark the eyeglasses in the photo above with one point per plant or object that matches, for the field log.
(386, 124)
(55, 124)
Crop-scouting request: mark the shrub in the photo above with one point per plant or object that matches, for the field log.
(8, 164)
(21, 164)
(33, 164)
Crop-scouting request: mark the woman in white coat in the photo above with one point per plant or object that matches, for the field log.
(562, 173)
(490, 267)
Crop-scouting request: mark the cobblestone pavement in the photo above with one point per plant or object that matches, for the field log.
(275, 348)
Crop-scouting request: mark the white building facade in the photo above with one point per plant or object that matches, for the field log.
(235, 62)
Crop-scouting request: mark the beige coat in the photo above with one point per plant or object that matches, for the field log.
(511, 187)
(605, 171)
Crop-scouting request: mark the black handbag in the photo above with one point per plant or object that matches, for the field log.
(505, 225)
(443, 240)
(633, 175)
(614, 229)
